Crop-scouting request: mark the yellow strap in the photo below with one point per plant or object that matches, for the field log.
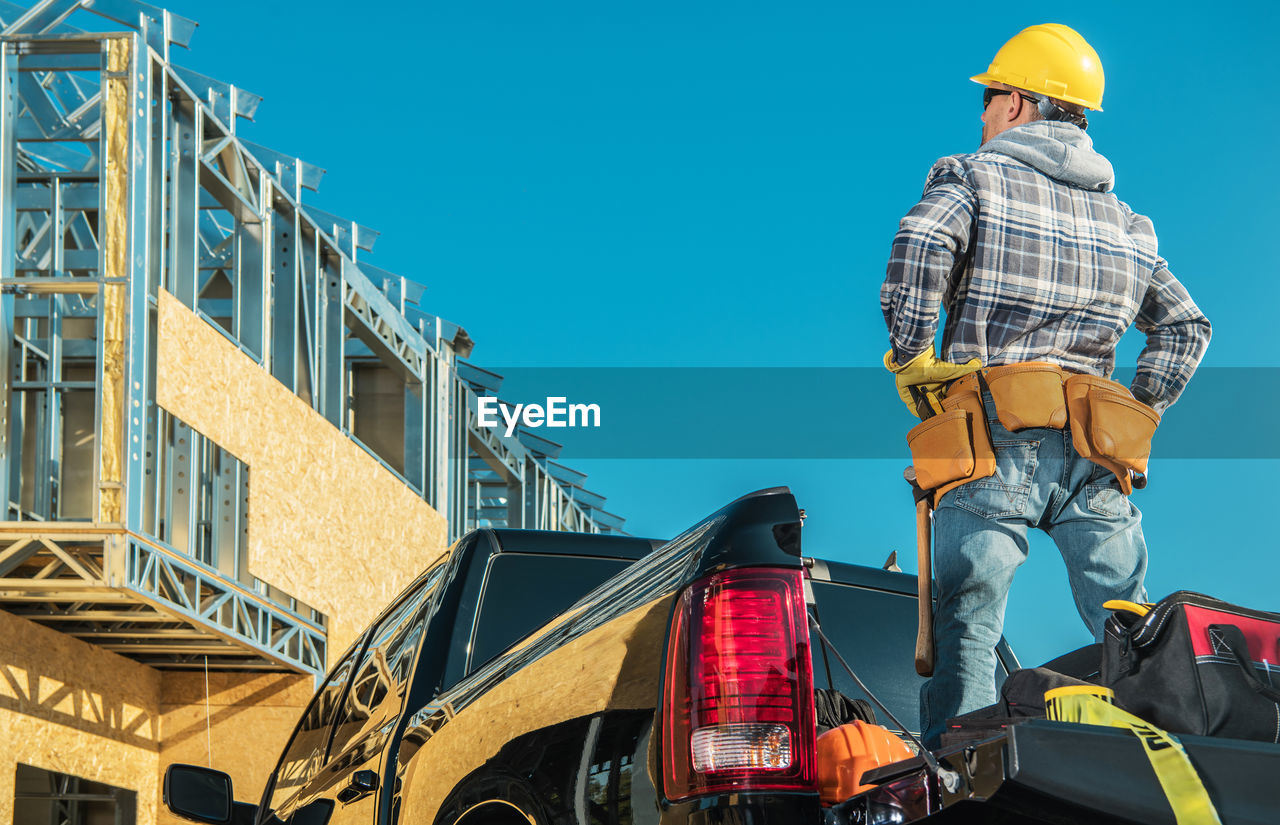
(1182, 785)
(1131, 607)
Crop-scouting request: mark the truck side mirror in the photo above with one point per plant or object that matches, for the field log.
(199, 794)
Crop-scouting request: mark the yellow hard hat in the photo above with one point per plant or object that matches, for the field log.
(1049, 59)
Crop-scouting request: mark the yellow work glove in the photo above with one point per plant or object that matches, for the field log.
(927, 374)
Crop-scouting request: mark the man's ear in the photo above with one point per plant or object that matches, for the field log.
(1021, 108)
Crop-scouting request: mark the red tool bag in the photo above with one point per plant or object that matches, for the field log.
(1194, 664)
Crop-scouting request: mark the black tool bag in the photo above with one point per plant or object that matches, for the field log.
(1021, 698)
(1197, 665)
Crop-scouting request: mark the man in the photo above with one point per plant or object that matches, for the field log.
(1033, 259)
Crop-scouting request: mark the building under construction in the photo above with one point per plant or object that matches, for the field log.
(214, 418)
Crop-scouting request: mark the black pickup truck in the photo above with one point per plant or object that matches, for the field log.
(536, 678)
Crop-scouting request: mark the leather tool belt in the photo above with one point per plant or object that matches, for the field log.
(1108, 425)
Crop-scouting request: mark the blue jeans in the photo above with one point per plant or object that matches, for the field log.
(980, 539)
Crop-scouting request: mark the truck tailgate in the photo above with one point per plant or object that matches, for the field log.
(1106, 770)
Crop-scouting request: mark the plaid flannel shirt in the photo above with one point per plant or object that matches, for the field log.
(1029, 268)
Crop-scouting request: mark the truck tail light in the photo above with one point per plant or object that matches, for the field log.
(738, 710)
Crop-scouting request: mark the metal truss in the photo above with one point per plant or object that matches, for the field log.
(175, 584)
(121, 175)
(149, 603)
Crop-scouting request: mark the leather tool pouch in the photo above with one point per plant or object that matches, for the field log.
(984, 456)
(1110, 427)
(1029, 395)
(941, 449)
(953, 447)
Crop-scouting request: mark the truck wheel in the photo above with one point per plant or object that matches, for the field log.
(495, 812)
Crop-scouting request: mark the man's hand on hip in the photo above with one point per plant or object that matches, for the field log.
(926, 373)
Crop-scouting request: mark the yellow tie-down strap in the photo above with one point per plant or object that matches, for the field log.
(1089, 705)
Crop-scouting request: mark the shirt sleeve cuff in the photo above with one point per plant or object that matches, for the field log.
(1144, 394)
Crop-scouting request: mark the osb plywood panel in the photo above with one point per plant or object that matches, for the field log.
(610, 668)
(342, 631)
(242, 730)
(227, 688)
(74, 708)
(32, 741)
(58, 678)
(327, 523)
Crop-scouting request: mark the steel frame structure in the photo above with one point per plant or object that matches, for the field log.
(121, 174)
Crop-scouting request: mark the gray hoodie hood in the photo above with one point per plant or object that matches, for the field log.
(1060, 150)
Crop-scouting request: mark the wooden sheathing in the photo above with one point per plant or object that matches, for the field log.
(71, 707)
(328, 523)
(115, 252)
(236, 722)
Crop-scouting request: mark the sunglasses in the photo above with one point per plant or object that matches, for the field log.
(988, 94)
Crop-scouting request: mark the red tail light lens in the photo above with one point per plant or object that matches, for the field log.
(738, 709)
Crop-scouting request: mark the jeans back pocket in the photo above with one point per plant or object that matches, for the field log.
(1106, 499)
(1006, 493)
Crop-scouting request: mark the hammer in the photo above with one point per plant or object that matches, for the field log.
(924, 578)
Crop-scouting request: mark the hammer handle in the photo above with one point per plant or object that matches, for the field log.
(924, 588)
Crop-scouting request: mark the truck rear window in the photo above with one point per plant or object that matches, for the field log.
(523, 592)
(875, 632)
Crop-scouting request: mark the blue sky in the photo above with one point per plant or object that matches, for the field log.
(715, 184)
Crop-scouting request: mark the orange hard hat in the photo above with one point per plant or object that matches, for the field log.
(847, 752)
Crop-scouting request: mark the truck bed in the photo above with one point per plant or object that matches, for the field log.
(1065, 774)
